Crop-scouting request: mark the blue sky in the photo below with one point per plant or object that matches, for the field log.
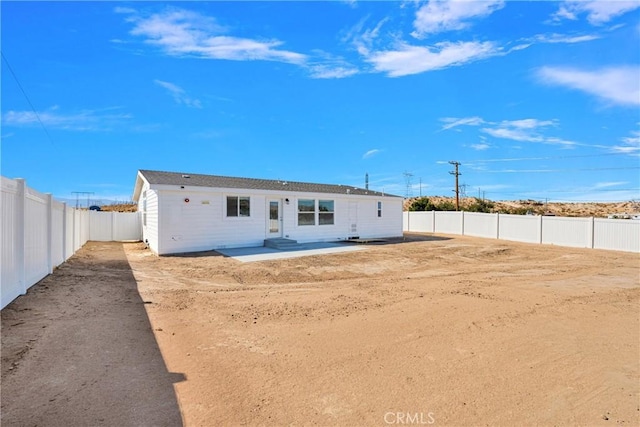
(535, 99)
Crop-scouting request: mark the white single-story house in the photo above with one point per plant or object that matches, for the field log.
(184, 212)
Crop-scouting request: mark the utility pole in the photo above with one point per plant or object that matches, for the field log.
(407, 177)
(366, 181)
(457, 174)
(78, 193)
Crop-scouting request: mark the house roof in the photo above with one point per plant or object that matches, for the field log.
(216, 181)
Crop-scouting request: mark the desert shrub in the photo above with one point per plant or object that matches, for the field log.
(480, 205)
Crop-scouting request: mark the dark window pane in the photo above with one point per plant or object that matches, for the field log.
(325, 205)
(306, 205)
(325, 218)
(306, 218)
(232, 206)
(245, 206)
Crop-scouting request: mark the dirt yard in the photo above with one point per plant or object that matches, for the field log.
(431, 330)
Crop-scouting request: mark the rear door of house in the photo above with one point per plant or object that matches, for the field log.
(274, 218)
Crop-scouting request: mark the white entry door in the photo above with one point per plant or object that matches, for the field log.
(274, 221)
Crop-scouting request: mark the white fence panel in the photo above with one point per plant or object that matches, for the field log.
(101, 226)
(573, 232)
(114, 226)
(419, 222)
(39, 234)
(616, 234)
(57, 238)
(127, 226)
(12, 250)
(448, 222)
(36, 237)
(520, 228)
(481, 224)
(69, 231)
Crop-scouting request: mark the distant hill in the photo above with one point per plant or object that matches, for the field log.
(578, 209)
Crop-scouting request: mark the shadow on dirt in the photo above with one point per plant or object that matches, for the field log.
(78, 349)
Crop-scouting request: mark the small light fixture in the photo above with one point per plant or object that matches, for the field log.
(186, 200)
(286, 201)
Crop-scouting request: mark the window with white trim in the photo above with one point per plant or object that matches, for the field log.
(325, 212)
(306, 212)
(238, 206)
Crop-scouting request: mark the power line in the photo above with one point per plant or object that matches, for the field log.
(516, 159)
(27, 97)
(558, 170)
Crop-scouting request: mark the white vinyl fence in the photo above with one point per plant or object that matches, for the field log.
(39, 233)
(596, 233)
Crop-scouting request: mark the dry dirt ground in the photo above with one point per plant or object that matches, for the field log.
(437, 330)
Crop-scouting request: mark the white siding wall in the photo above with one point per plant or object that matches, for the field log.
(202, 223)
(150, 225)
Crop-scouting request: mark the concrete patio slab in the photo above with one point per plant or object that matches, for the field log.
(261, 253)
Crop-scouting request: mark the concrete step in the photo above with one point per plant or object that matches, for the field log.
(281, 243)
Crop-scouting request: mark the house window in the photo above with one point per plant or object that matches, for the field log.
(238, 206)
(306, 212)
(325, 212)
(379, 209)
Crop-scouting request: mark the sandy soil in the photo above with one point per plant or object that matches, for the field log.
(431, 330)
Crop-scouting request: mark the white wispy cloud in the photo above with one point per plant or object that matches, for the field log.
(480, 147)
(565, 38)
(84, 120)
(619, 85)
(526, 130)
(371, 153)
(599, 185)
(452, 122)
(180, 32)
(630, 144)
(179, 95)
(328, 66)
(598, 12)
(523, 130)
(407, 59)
(439, 16)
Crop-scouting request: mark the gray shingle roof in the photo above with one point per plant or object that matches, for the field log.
(199, 180)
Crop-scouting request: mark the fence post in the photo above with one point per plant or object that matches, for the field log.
(49, 199)
(592, 232)
(433, 221)
(113, 226)
(462, 223)
(498, 225)
(64, 232)
(540, 230)
(21, 212)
